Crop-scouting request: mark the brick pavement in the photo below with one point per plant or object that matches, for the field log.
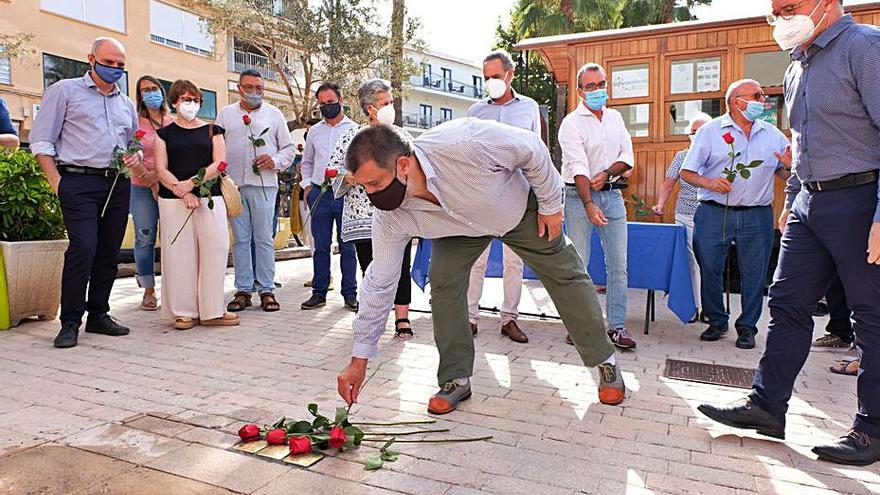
(155, 412)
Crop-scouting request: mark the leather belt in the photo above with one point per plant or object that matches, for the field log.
(731, 207)
(609, 186)
(70, 168)
(844, 182)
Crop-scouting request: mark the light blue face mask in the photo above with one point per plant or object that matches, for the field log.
(595, 100)
(754, 110)
(153, 99)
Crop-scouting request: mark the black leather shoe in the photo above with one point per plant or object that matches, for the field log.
(314, 302)
(713, 333)
(856, 448)
(68, 335)
(351, 305)
(746, 339)
(105, 325)
(748, 416)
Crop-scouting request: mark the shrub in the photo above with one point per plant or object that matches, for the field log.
(29, 209)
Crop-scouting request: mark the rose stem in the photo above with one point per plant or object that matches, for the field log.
(399, 423)
(182, 226)
(439, 440)
(377, 367)
(405, 433)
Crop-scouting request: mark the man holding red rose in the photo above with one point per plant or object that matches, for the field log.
(744, 205)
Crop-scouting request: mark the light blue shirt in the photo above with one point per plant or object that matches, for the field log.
(521, 112)
(708, 156)
(78, 124)
(320, 143)
(832, 92)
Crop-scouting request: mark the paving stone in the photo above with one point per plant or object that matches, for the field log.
(55, 470)
(145, 481)
(125, 443)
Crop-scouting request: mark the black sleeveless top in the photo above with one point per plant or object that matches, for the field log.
(188, 151)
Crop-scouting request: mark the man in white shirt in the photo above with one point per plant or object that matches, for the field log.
(596, 151)
(506, 106)
(327, 210)
(258, 145)
(462, 184)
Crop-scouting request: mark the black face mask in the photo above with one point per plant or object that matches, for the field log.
(331, 110)
(389, 198)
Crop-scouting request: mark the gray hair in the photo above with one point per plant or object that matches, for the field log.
(96, 45)
(503, 56)
(728, 96)
(368, 91)
(380, 143)
(698, 117)
(590, 67)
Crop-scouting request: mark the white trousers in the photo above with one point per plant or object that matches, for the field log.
(688, 222)
(194, 267)
(513, 280)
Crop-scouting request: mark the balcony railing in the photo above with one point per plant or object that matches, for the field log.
(447, 85)
(419, 121)
(242, 61)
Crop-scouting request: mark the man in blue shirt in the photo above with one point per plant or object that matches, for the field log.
(744, 205)
(8, 136)
(81, 121)
(833, 219)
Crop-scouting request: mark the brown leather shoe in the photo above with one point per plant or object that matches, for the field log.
(474, 329)
(511, 330)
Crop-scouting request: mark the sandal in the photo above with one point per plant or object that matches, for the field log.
(404, 333)
(149, 302)
(844, 367)
(184, 323)
(227, 320)
(240, 301)
(268, 302)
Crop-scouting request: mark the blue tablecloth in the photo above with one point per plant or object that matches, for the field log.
(657, 259)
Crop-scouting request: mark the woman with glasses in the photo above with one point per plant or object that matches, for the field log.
(685, 206)
(195, 239)
(152, 116)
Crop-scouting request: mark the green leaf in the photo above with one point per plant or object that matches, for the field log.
(313, 408)
(390, 456)
(373, 463)
(201, 174)
(755, 163)
(320, 422)
(341, 415)
(740, 166)
(300, 427)
(355, 433)
(264, 131)
(259, 142)
(738, 153)
(745, 174)
(730, 154)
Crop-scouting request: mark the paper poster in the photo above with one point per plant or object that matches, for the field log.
(709, 75)
(629, 83)
(641, 114)
(682, 78)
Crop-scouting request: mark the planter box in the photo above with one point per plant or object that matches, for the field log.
(30, 281)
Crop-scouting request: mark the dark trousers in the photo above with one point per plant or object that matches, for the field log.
(752, 231)
(826, 235)
(327, 212)
(403, 297)
(91, 258)
(840, 323)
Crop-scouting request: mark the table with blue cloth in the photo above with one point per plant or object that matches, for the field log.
(657, 259)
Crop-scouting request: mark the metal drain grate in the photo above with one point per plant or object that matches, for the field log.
(715, 374)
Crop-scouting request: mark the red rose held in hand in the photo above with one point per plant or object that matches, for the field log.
(249, 433)
(276, 437)
(246, 119)
(139, 134)
(221, 167)
(300, 445)
(728, 138)
(337, 438)
(331, 173)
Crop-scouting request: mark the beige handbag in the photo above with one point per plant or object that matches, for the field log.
(231, 197)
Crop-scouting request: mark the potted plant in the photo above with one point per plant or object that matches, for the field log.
(32, 241)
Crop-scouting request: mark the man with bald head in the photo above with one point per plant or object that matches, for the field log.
(743, 204)
(831, 222)
(81, 121)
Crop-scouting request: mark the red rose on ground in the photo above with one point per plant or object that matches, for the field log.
(331, 173)
(249, 433)
(300, 445)
(276, 437)
(246, 119)
(222, 166)
(728, 138)
(139, 134)
(337, 438)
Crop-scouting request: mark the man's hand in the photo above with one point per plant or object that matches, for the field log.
(191, 201)
(54, 181)
(350, 381)
(183, 188)
(658, 210)
(596, 215)
(131, 161)
(874, 244)
(149, 178)
(599, 180)
(349, 179)
(550, 225)
(719, 185)
(783, 219)
(785, 157)
(265, 162)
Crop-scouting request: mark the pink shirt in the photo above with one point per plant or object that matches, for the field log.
(148, 141)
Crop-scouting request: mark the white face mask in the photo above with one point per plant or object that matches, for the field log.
(188, 110)
(386, 114)
(496, 88)
(790, 33)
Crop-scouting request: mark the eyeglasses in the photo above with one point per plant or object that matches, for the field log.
(787, 12)
(595, 86)
(251, 89)
(758, 96)
(187, 99)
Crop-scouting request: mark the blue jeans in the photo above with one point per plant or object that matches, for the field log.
(325, 214)
(145, 214)
(826, 236)
(274, 233)
(254, 226)
(613, 238)
(752, 231)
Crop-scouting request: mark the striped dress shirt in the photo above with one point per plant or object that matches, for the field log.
(481, 172)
